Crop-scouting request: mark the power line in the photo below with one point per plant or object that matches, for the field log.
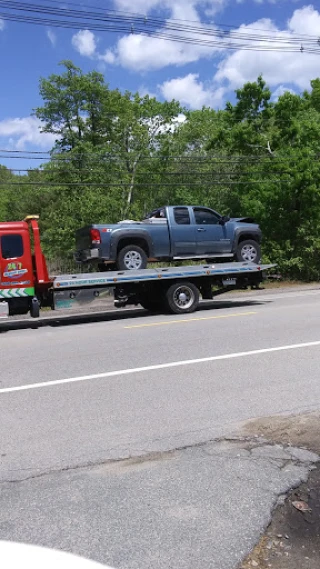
(171, 30)
(165, 174)
(174, 160)
(43, 173)
(146, 184)
(25, 151)
(130, 15)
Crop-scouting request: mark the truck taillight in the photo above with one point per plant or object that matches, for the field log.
(95, 236)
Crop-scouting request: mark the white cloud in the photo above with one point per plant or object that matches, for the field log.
(144, 91)
(192, 92)
(277, 66)
(107, 57)
(140, 6)
(84, 42)
(140, 53)
(305, 21)
(2, 24)
(280, 91)
(25, 131)
(184, 9)
(214, 7)
(178, 9)
(52, 37)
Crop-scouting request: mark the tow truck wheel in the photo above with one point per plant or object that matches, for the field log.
(34, 308)
(182, 298)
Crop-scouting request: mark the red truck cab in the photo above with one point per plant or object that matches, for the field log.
(23, 272)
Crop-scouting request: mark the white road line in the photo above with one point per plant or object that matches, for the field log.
(180, 363)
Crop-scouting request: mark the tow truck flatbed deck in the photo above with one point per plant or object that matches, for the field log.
(112, 278)
(173, 289)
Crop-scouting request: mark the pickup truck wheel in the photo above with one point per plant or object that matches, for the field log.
(182, 298)
(248, 251)
(131, 258)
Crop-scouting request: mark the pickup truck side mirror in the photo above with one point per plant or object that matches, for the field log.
(224, 219)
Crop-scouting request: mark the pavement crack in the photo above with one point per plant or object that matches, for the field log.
(242, 443)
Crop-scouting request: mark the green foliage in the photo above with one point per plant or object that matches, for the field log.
(119, 155)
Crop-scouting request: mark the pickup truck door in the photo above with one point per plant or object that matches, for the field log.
(182, 233)
(211, 236)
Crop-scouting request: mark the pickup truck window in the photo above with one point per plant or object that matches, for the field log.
(11, 246)
(157, 214)
(205, 216)
(181, 216)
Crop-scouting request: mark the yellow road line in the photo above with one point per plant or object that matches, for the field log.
(185, 320)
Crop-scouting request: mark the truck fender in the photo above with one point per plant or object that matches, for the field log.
(247, 233)
(126, 235)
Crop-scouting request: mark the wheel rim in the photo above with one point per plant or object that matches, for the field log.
(132, 260)
(248, 253)
(184, 297)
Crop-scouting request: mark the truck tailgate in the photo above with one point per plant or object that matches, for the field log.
(83, 238)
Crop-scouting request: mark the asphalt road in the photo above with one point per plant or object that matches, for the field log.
(75, 395)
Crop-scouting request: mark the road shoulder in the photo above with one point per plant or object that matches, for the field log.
(292, 539)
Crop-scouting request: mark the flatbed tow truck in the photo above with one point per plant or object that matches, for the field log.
(25, 285)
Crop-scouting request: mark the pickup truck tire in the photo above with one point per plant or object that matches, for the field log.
(248, 251)
(131, 258)
(182, 298)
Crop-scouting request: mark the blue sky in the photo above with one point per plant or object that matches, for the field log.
(195, 75)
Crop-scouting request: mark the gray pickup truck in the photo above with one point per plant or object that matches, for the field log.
(169, 233)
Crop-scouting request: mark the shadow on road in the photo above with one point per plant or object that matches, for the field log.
(220, 304)
(71, 319)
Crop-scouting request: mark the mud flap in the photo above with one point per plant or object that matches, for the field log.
(4, 309)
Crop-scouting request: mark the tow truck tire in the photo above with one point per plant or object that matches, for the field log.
(248, 251)
(34, 308)
(131, 258)
(182, 298)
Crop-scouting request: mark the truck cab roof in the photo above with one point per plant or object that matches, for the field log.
(13, 225)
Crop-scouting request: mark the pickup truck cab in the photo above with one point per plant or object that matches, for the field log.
(169, 233)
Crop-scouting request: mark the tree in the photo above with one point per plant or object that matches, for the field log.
(77, 107)
(7, 193)
(141, 125)
(119, 155)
